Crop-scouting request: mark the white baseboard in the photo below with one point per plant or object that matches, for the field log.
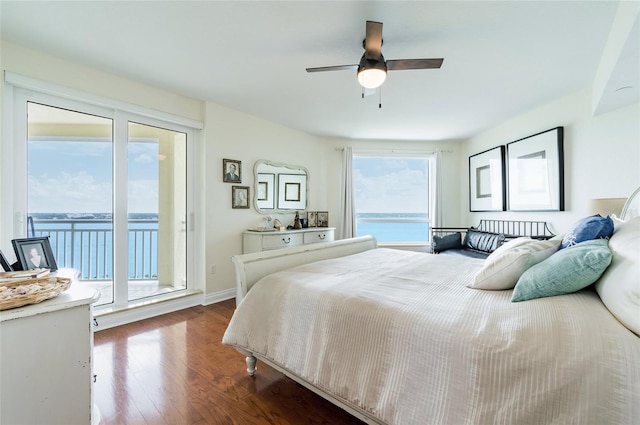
(216, 297)
(107, 320)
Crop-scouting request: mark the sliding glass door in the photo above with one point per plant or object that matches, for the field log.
(109, 189)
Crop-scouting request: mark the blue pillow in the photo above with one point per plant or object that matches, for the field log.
(592, 227)
(566, 271)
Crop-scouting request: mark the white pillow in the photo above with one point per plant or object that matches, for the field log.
(503, 267)
(619, 286)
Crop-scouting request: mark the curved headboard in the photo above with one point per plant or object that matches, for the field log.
(631, 208)
(252, 267)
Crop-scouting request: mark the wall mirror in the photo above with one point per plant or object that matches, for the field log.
(279, 188)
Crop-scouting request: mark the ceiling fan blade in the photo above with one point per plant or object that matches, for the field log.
(400, 64)
(332, 68)
(373, 40)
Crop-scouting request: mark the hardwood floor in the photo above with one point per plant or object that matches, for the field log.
(173, 370)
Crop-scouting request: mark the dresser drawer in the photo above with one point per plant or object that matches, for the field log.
(281, 241)
(318, 236)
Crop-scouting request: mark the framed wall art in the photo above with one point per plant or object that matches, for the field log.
(33, 253)
(231, 171)
(292, 191)
(487, 188)
(535, 167)
(266, 191)
(239, 196)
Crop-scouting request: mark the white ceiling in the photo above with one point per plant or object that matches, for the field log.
(501, 58)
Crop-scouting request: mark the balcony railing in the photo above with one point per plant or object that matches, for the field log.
(87, 246)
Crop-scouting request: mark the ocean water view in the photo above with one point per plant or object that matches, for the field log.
(84, 241)
(396, 227)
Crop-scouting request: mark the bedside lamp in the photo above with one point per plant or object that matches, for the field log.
(606, 206)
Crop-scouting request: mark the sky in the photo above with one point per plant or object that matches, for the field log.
(76, 177)
(386, 185)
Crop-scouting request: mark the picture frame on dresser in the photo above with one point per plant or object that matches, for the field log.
(6, 266)
(323, 219)
(34, 253)
(487, 186)
(312, 217)
(535, 167)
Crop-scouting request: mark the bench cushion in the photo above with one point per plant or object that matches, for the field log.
(442, 243)
(486, 242)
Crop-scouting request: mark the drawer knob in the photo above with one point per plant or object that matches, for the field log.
(286, 240)
(322, 236)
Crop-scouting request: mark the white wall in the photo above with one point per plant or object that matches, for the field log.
(234, 135)
(601, 155)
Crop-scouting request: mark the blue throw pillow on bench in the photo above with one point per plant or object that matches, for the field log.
(589, 228)
(442, 243)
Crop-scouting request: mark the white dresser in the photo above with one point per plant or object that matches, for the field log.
(46, 368)
(263, 241)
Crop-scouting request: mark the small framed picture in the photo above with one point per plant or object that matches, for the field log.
(34, 253)
(6, 266)
(312, 217)
(240, 196)
(323, 219)
(231, 171)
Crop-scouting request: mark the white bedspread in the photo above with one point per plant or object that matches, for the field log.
(399, 335)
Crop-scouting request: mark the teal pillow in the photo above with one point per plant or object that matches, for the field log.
(566, 271)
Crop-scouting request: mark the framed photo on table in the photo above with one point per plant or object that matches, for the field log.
(312, 216)
(487, 189)
(323, 219)
(34, 253)
(535, 167)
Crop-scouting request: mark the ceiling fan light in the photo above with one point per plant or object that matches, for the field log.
(371, 78)
(372, 72)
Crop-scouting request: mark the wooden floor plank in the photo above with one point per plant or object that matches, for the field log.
(173, 369)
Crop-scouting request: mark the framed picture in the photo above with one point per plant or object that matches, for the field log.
(6, 266)
(535, 167)
(487, 188)
(231, 171)
(266, 191)
(323, 219)
(312, 217)
(33, 253)
(240, 196)
(292, 191)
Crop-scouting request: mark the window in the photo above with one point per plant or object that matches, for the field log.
(392, 197)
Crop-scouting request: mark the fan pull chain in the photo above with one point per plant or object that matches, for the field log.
(380, 98)
(362, 91)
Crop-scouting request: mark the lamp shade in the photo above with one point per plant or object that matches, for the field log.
(606, 206)
(372, 72)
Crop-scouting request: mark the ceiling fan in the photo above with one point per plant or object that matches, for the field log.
(372, 69)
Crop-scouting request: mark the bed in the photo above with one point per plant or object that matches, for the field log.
(399, 337)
